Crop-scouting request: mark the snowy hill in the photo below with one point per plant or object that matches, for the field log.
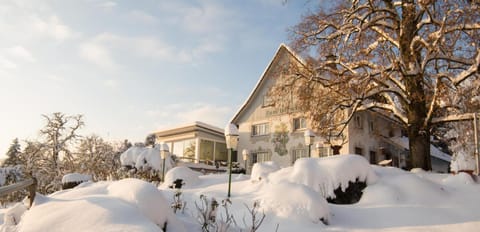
(291, 198)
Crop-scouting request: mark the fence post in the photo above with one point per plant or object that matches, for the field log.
(32, 189)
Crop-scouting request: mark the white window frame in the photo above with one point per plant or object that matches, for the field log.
(260, 129)
(302, 123)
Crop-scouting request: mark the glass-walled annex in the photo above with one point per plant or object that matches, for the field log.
(197, 142)
(209, 150)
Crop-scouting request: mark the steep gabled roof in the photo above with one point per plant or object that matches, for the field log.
(262, 79)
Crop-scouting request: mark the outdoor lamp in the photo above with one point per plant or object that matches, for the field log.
(245, 158)
(163, 154)
(309, 136)
(231, 137)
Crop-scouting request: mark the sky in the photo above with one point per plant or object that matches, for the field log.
(133, 67)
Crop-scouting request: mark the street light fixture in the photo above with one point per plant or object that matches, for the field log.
(231, 136)
(309, 136)
(245, 158)
(163, 154)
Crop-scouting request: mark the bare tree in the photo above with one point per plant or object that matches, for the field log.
(58, 134)
(398, 57)
(96, 157)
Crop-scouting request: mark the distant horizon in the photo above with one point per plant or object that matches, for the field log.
(133, 68)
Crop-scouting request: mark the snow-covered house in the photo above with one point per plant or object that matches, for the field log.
(273, 134)
(195, 142)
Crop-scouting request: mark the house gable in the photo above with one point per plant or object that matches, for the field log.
(256, 98)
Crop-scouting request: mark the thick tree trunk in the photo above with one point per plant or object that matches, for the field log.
(418, 135)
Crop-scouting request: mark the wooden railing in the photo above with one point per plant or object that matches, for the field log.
(29, 184)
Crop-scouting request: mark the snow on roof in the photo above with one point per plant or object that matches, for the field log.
(434, 151)
(262, 77)
(192, 124)
(75, 177)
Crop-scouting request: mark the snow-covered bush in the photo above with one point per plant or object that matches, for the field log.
(262, 170)
(325, 175)
(187, 175)
(73, 179)
(124, 205)
(144, 163)
(462, 147)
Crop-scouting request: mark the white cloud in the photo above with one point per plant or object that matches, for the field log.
(143, 16)
(52, 27)
(179, 114)
(21, 53)
(97, 54)
(111, 83)
(108, 5)
(6, 63)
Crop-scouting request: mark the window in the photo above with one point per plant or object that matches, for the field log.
(221, 151)
(184, 148)
(299, 153)
(373, 157)
(358, 121)
(299, 123)
(260, 129)
(323, 151)
(370, 126)
(259, 157)
(358, 151)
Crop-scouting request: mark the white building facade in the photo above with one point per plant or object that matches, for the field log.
(270, 133)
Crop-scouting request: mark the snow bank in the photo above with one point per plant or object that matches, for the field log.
(125, 205)
(76, 177)
(262, 170)
(189, 177)
(300, 204)
(459, 179)
(13, 215)
(324, 175)
(402, 187)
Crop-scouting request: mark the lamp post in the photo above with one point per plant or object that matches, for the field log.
(309, 136)
(163, 154)
(231, 137)
(245, 158)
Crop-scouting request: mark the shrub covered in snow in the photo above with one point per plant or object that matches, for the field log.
(125, 205)
(325, 175)
(262, 170)
(73, 179)
(144, 162)
(187, 175)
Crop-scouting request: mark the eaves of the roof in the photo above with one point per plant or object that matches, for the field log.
(263, 77)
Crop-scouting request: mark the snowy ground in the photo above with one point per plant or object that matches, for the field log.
(291, 198)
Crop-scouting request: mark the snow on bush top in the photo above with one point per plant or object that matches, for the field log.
(324, 175)
(144, 158)
(462, 161)
(75, 177)
(262, 170)
(125, 205)
(189, 177)
(129, 157)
